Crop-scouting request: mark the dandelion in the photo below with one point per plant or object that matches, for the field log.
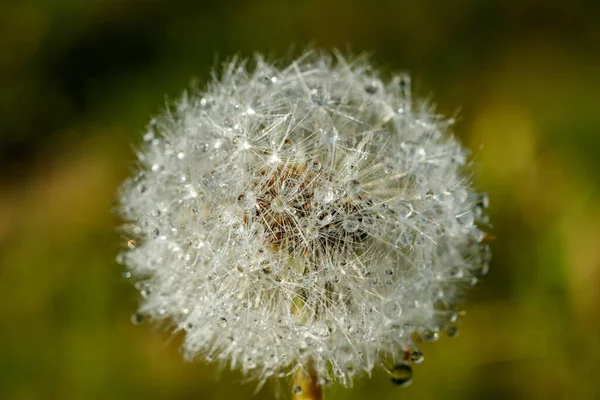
(310, 220)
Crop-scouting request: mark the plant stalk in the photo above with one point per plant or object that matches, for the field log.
(306, 386)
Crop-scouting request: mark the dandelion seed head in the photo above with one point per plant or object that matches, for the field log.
(311, 213)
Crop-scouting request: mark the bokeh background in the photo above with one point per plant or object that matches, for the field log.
(79, 80)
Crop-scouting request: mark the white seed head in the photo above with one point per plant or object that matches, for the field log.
(310, 214)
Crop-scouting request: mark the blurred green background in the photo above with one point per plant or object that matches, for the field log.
(80, 79)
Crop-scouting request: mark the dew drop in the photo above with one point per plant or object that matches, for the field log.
(402, 82)
(431, 335)
(483, 200)
(324, 195)
(401, 374)
(312, 232)
(121, 259)
(222, 322)
(391, 310)
(338, 373)
(371, 87)
(250, 363)
(267, 80)
(329, 137)
(351, 224)
(353, 187)
(278, 205)
(466, 219)
(148, 136)
(257, 229)
(132, 244)
(237, 227)
(417, 357)
(372, 279)
(325, 218)
(453, 317)
(317, 96)
(247, 201)
(202, 148)
(482, 261)
(297, 389)
(481, 269)
(315, 165)
(137, 318)
(156, 168)
(405, 209)
(455, 272)
(452, 331)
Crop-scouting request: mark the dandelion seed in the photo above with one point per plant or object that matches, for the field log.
(324, 219)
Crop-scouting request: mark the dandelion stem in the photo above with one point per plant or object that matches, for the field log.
(306, 385)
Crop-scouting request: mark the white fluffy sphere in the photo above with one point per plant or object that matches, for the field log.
(310, 214)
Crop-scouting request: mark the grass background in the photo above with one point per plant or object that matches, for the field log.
(80, 79)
